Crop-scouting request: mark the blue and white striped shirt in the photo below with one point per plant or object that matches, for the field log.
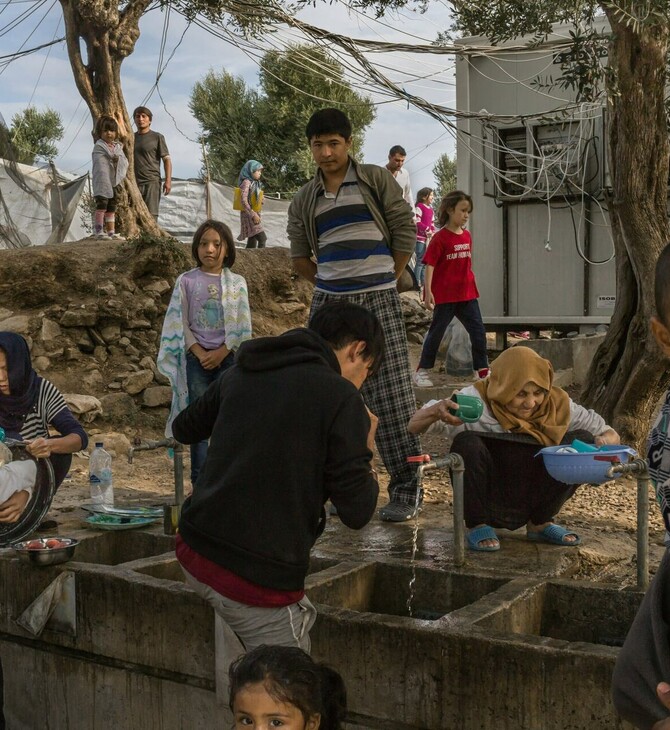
(353, 255)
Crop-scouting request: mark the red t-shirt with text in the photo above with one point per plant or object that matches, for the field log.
(450, 254)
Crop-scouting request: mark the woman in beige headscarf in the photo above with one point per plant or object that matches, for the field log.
(505, 485)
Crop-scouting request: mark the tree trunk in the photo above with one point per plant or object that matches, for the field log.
(109, 36)
(628, 373)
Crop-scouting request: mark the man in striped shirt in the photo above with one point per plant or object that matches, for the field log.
(352, 235)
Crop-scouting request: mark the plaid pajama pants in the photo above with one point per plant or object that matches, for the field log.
(389, 393)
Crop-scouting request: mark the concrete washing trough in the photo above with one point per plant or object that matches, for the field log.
(128, 644)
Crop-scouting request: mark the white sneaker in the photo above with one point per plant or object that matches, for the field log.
(421, 380)
(115, 236)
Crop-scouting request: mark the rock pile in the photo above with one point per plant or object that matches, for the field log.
(417, 317)
(111, 343)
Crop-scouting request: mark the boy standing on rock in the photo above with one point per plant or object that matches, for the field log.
(150, 148)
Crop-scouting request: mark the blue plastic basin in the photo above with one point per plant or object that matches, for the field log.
(584, 468)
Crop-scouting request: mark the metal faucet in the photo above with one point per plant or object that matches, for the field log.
(456, 464)
(178, 461)
(640, 469)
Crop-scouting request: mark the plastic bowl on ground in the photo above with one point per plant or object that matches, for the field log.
(584, 468)
(39, 551)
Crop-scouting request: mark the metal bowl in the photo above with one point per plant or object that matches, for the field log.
(38, 506)
(46, 555)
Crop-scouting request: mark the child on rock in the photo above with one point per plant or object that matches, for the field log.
(109, 169)
(450, 289)
(207, 319)
(251, 198)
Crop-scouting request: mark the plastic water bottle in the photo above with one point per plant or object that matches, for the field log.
(100, 476)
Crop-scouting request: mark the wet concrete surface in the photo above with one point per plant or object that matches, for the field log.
(510, 619)
(517, 556)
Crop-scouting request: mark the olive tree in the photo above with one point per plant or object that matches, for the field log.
(100, 35)
(628, 373)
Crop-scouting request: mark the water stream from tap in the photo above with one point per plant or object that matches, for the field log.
(415, 536)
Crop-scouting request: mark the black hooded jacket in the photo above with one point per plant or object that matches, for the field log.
(287, 433)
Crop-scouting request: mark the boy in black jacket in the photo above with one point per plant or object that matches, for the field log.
(288, 430)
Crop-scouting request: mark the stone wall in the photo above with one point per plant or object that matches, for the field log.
(92, 318)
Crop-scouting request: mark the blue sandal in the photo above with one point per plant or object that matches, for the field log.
(554, 535)
(479, 534)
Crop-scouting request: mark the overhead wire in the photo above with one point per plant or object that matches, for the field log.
(9, 57)
(384, 86)
(85, 116)
(46, 57)
(32, 32)
(21, 18)
(557, 113)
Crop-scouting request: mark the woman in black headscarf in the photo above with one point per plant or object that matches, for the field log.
(29, 407)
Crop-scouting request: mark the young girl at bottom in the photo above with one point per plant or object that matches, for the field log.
(450, 289)
(109, 169)
(281, 686)
(207, 319)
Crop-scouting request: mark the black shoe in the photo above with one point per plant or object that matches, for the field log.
(398, 512)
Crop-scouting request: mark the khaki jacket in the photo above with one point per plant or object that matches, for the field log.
(383, 196)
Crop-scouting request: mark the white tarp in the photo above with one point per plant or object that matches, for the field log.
(39, 206)
(185, 208)
(35, 210)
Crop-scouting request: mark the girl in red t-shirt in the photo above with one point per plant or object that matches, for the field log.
(450, 289)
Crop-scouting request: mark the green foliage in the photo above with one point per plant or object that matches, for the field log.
(162, 250)
(150, 255)
(444, 172)
(581, 68)
(33, 135)
(268, 125)
(382, 6)
(503, 21)
(6, 149)
(228, 114)
(242, 17)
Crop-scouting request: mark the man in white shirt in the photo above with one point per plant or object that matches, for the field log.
(395, 166)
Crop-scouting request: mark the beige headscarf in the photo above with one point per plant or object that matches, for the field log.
(510, 371)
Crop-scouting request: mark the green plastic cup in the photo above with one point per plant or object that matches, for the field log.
(470, 408)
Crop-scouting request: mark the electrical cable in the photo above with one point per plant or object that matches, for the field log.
(9, 57)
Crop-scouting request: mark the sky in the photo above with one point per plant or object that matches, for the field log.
(44, 79)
